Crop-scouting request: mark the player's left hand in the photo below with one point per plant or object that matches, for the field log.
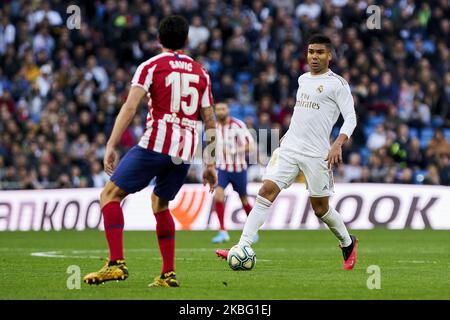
(334, 156)
(210, 177)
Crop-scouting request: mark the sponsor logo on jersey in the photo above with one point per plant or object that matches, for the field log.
(185, 122)
(305, 102)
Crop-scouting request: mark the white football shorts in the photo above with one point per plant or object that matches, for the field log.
(285, 165)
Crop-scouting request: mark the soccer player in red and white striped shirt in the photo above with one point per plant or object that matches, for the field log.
(233, 142)
(179, 89)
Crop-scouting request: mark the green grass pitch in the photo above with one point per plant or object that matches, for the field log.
(290, 265)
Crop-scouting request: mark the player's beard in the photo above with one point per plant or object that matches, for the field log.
(222, 119)
(318, 67)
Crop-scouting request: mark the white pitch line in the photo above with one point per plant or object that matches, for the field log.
(56, 254)
(148, 249)
(60, 255)
(152, 249)
(417, 261)
(48, 254)
(156, 249)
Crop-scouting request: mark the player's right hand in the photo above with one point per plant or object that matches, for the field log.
(210, 177)
(110, 160)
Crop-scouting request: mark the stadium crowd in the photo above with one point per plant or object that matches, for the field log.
(62, 86)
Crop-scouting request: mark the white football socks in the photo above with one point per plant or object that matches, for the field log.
(336, 224)
(255, 220)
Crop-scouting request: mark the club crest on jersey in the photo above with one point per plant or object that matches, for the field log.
(319, 89)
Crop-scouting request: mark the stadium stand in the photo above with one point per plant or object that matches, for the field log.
(61, 89)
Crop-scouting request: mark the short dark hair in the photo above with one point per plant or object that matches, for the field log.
(319, 38)
(173, 32)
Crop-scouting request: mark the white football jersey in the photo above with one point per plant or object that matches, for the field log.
(320, 100)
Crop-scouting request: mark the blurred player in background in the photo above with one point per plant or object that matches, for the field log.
(233, 142)
(179, 88)
(322, 95)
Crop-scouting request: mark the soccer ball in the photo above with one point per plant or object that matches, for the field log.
(241, 258)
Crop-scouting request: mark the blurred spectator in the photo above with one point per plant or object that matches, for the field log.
(99, 177)
(44, 179)
(198, 33)
(405, 177)
(378, 138)
(438, 146)
(399, 148)
(392, 121)
(432, 176)
(377, 169)
(227, 88)
(415, 158)
(308, 8)
(365, 176)
(44, 80)
(43, 41)
(96, 72)
(7, 33)
(419, 115)
(44, 13)
(444, 169)
(391, 176)
(353, 170)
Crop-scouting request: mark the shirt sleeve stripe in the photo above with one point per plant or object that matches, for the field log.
(207, 99)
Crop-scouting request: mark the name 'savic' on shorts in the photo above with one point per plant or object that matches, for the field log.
(285, 165)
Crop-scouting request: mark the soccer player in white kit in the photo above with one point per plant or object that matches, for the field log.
(322, 95)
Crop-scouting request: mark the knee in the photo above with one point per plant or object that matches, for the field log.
(219, 196)
(320, 209)
(159, 204)
(269, 190)
(111, 192)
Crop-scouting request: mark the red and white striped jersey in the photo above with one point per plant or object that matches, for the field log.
(231, 140)
(177, 87)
